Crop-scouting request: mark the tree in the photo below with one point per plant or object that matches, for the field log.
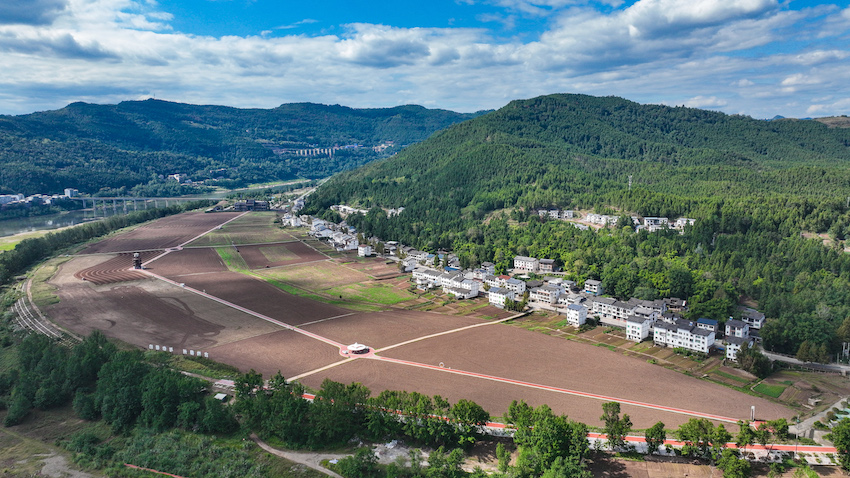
(841, 440)
(697, 434)
(746, 435)
(655, 437)
(616, 428)
(363, 464)
(719, 438)
(732, 466)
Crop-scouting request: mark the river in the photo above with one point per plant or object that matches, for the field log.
(10, 227)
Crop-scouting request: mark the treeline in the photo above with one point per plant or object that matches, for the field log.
(753, 186)
(30, 251)
(91, 146)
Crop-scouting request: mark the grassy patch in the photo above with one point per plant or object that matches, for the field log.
(316, 276)
(278, 253)
(232, 259)
(731, 377)
(770, 390)
(374, 293)
(205, 367)
(44, 294)
(7, 243)
(358, 306)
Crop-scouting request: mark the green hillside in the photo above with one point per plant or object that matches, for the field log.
(95, 146)
(754, 187)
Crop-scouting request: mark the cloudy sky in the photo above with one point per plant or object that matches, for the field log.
(757, 57)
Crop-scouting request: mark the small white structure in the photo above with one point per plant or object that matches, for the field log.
(364, 250)
(358, 349)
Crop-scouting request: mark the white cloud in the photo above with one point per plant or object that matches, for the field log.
(671, 51)
(706, 102)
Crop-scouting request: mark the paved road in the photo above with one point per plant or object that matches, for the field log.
(827, 367)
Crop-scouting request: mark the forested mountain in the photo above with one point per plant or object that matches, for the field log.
(754, 186)
(90, 147)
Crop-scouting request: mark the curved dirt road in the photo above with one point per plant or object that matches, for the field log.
(310, 460)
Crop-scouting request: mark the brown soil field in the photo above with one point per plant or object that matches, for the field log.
(161, 234)
(495, 397)
(258, 256)
(286, 351)
(510, 352)
(117, 269)
(380, 329)
(146, 311)
(153, 312)
(261, 297)
(188, 261)
(375, 267)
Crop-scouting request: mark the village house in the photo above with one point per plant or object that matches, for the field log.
(546, 294)
(576, 315)
(684, 334)
(516, 285)
(526, 264)
(751, 317)
(593, 287)
(707, 324)
(638, 327)
(737, 328)
(426, 278)
(734, 344)
(364, 250)
(497, 296)
(546, 265)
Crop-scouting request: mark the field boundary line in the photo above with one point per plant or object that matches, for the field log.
(329, 318)
(446, 332)
(180, 246)
(322, 369)
(247, 311)
(550, 388)
(241, 245)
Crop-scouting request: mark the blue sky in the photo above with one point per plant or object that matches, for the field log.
(756, 57)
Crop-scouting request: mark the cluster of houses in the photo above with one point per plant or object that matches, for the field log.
(650, 224)
(345, 211)
(641, 319)
(13, 199)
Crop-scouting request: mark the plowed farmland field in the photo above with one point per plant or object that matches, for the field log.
(162, 234)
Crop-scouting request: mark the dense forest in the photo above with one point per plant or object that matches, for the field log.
(753, 186)
(134, 143)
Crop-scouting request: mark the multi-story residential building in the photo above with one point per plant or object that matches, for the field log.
(546, 265)
(684, 334)
(737, 328)
(498, 296)
(638, 327)
(751, 317)
(734, 344)
(576, 315)
(547, 294)
(593, 287)
(526, 264)
(515, 285)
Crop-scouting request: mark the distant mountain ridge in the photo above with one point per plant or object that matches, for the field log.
(573, 150)
(90, 146)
